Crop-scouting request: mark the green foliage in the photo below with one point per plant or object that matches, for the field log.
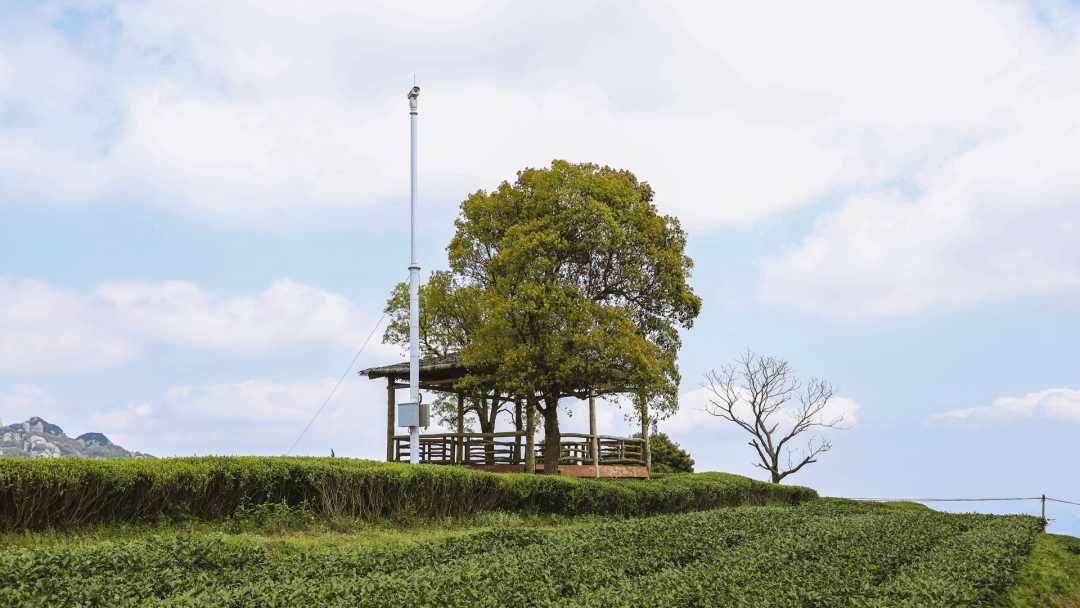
(1051, 577)
(580, 282)
(822, 553)
(446, 316)
(274, 518)
(61, 493)
(667, 456)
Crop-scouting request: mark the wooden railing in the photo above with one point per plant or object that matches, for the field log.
(509, 448)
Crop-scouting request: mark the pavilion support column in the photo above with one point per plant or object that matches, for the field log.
(646, 452)
(390, 418)
(594, 443)
(460, 427)
(530, 432)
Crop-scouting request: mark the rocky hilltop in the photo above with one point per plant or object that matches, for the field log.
(36, 438)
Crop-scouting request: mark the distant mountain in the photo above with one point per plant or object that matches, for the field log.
(36, 438)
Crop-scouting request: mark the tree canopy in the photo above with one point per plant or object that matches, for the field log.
(579, 283)
(564, 281)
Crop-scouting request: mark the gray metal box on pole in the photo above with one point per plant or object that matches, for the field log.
(414, 414)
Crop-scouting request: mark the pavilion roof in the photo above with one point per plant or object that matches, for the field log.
(441, 373)
(442, 367)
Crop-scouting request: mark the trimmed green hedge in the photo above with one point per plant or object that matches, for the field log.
(42, 493)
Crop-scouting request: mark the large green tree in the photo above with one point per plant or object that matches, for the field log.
(578, 283)
(449, 314)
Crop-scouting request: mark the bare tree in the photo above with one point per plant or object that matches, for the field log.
(764, 385)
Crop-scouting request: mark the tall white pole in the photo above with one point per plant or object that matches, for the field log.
(414, 300)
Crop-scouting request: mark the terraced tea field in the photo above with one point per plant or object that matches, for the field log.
(821, 553)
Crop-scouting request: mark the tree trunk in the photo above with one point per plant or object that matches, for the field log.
(530, 434)
(552, 438)
(518, 411)
(483, 415)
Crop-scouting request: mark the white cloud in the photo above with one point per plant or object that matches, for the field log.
(999, 220)
(966, 193)
(253, 402)
(252, 417)
(901, 65)
(26, 402)
(46, 329)
(691, 416)
(122, 419)
(954, 124)
(435, 9)
(1052, 403)
(838, 407)
(238, 108)
(287, 313)
(267, 417)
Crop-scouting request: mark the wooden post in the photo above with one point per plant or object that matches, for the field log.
(460, 427)
(530, 430)
(594, 444)
(645, 451)
(390, 397)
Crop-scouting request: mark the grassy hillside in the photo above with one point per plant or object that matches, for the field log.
(1050, 577)
(564, 542)
(820, 553)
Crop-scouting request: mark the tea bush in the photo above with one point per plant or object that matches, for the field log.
(42, 493)
(821, 553)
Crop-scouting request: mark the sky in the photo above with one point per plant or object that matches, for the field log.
(204, 207)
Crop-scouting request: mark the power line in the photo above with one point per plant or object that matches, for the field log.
(944, 499)
(1065, 511)
(1065, 501)
(959, 499)
(338, 384)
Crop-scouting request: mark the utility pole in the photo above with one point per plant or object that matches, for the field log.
(414, 302)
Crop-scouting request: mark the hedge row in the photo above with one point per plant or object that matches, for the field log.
(819, 554)
(42, 493)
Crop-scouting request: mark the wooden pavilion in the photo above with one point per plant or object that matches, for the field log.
(582, 455)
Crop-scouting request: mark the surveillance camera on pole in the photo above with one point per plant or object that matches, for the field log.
(412, 414)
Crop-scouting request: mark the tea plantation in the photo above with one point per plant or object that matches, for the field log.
(793, 549)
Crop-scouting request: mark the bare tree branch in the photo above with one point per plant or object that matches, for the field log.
(759, 387)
